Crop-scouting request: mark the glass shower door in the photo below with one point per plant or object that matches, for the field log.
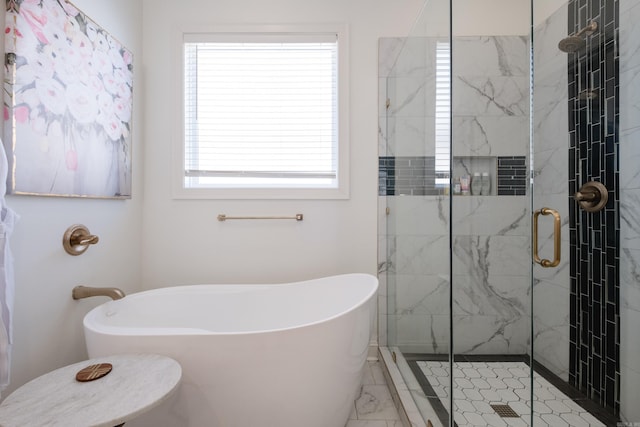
(414, 187)
(511, 299)
(491, 213)
(576, 199)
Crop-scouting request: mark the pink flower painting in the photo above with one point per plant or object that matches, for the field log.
(67, 104)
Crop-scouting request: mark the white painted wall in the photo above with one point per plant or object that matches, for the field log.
(183, 242)
(483, 18)
(475, 18)
(48, 323)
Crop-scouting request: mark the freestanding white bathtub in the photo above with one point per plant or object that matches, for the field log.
(285, 355)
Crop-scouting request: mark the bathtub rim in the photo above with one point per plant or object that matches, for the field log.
(91, 324)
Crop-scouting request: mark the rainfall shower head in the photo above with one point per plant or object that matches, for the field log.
(571, 44)
(576, 42)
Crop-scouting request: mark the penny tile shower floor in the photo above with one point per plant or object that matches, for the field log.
(478, 385)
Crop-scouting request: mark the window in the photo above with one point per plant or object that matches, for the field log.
(443, 113)
(264, 116)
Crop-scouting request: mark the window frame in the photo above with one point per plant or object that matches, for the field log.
(341, 191)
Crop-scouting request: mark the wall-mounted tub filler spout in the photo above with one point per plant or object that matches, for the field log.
(80, 292)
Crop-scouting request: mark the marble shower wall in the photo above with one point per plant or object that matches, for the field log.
(629, 45)
(491, 262)
(491, 96)
(406, 71)
(491, 233)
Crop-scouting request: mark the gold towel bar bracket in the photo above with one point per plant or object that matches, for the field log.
(224, 217)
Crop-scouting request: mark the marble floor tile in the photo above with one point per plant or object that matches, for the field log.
(375, 403)
(373, 423)
(374, 406)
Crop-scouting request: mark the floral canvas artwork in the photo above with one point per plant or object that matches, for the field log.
(68, 103)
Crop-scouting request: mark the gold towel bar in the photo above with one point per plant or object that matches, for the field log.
(223, 217)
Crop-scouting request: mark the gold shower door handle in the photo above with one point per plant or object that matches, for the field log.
(556, 237)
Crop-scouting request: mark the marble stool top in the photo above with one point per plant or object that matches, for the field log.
(137, 383)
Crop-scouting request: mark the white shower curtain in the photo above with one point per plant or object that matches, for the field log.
(7, 221)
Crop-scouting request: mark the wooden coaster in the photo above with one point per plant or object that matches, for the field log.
(93, 372)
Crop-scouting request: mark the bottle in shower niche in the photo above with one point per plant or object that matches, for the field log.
(465, 184)
(476, 184)
(486, 184)
(456, 187)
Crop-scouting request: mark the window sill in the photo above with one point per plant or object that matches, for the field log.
(258, 194)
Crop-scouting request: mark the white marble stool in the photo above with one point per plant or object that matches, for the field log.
(137, 383)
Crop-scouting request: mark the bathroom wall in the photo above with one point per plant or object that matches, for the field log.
(47, 322)
(184, 243)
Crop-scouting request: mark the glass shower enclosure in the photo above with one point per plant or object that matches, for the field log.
(509, 212)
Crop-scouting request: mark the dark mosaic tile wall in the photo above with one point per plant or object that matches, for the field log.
(386, 175)
(412, 176)
(416, 176)
(512, 176)
(595, 237)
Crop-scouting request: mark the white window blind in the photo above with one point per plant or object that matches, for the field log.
(443, 113)
(261, 111)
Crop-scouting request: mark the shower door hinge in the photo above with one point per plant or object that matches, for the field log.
(393, 356)
(9, 58)
(388, 103)
(388, 211)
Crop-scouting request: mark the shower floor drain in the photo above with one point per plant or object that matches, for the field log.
(505, 411)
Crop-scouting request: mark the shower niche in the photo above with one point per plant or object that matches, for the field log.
(480, 173)
(506, 175)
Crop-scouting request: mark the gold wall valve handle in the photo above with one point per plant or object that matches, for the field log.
(77, 239)
(556, 237)
(592, 196)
